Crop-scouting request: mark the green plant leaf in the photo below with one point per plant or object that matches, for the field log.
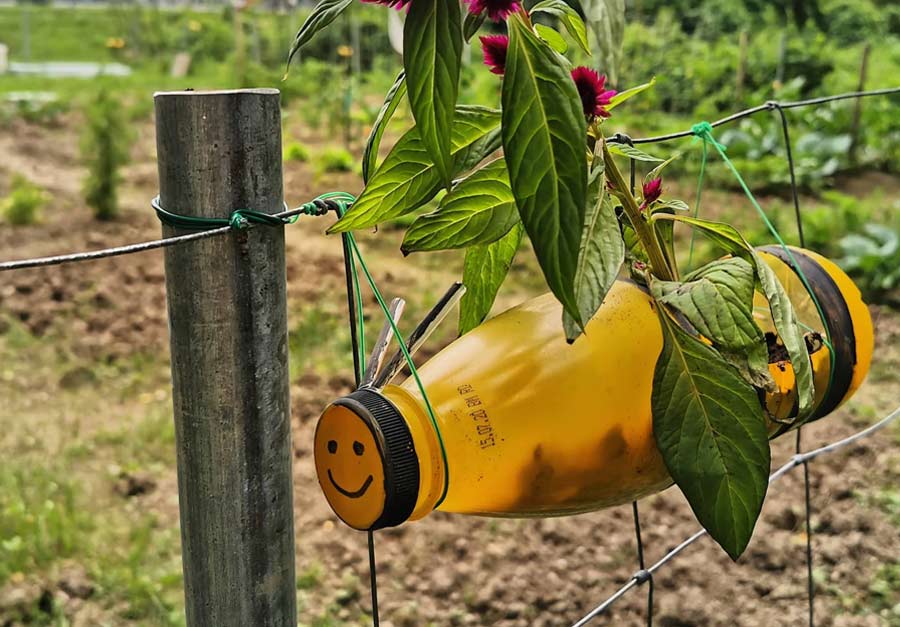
(322, 15)
(544, 132)
(790, 334)
(407, 178)
(480, 209)
(723, 235)
(554, 39)
(569, 18)
(709, 427)
(484, 270)
(432, 50)
(622, 96)
(717, 300)
(600, 257)
(472, 23)
(674, 205)
(631, 152)
(391, 101)
(606, 19)
(783, 316)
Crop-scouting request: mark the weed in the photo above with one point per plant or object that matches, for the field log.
(40, 521)
(335, 160)
(310, 578)
(104, 149)
(296, 151)
(24, 203)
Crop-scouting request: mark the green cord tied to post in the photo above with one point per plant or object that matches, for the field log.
(239, 219)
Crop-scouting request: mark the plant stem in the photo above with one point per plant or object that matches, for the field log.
(645, 234)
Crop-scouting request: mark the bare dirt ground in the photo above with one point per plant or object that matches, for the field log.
(446, 569)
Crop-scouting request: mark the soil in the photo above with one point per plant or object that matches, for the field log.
(449, 569)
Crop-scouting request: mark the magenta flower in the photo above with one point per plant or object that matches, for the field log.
(590, 86)
(494, 48)
(652, 191)
(497, 10)
(394, 4)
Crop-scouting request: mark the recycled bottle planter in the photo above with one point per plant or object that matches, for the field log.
(532, 426)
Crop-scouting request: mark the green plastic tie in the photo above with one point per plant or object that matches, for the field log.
(703, 130)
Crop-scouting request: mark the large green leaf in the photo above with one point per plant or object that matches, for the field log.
(432, 50)
(391, 100)
(569, 18)
(783, 316)
(717, 300)
(407, 178)
(709, 427)
(484, 270)
(601, 255)
(480, 209)
(790, 334)
(544, 132)
(322, 15)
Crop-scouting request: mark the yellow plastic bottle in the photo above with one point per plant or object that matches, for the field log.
(533, 426)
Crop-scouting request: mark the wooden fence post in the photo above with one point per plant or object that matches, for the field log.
(217, 152)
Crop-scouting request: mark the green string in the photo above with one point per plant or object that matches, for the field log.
(344, 200)
(703, 130)
(409, 363)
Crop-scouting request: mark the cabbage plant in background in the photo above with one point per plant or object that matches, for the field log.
(540, 166)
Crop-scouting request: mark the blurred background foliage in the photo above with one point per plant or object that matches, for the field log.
(710, 58)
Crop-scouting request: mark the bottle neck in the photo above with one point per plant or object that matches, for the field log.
(428, 449)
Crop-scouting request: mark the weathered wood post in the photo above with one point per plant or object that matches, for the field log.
(217, 152)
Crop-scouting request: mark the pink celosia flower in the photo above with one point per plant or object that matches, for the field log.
(590, 86)
(497, 10)
(494, 48)
(394, 4)
(652, 190)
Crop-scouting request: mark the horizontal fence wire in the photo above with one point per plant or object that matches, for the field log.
(129, 249)
(770, 105)
(797, 460)
(140, 247)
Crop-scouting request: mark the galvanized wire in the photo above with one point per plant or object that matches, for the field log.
(140, 247)
(797, 460)
(769, 106)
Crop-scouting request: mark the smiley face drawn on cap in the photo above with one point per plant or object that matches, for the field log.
(350, 467)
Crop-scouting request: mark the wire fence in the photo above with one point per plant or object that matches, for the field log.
(644, 575)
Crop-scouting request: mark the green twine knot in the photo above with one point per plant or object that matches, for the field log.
(703, 130)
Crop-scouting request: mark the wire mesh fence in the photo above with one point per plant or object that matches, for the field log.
(644, 575)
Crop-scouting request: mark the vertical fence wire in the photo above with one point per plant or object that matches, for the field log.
(634, 506)
(795, 196)
(355, 343)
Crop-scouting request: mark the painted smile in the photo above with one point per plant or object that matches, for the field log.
(348, 493)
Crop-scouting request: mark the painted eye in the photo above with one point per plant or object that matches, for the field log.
(358, 448)
(332, 447)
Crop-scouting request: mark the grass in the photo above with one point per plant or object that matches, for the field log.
(58, 502)
(24, 203)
